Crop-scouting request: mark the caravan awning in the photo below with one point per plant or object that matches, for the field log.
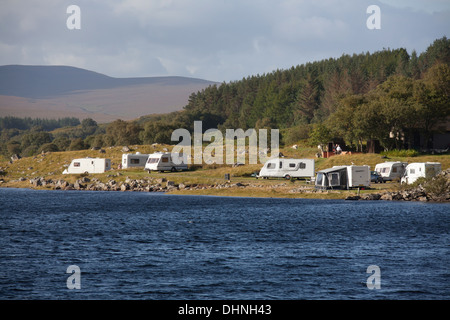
(337, 168)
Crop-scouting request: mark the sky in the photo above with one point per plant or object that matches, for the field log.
(217, 40)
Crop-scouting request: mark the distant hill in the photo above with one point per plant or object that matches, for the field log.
(59, 91)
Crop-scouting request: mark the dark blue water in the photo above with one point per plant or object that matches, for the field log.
(156, 246)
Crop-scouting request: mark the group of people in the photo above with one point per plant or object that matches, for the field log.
(336, 149)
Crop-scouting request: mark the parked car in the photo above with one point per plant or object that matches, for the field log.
(376, 177)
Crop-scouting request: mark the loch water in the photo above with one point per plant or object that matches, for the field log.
(131, 245)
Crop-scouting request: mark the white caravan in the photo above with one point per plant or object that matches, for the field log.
(166, 162)
(418, 170)
(391, 170)
(288, 168)
(130, 160)
(343, 177)
(88, 165)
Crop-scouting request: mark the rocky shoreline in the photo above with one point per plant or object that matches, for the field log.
(134, 185)
(435, 190)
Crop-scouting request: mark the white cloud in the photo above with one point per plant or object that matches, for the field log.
(420, 5)
(219, 40)
(63, 59)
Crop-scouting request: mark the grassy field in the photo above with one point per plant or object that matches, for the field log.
(51, 166)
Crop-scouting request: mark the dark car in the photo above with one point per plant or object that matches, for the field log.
(375, 177)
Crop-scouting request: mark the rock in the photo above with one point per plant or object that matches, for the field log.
(170, 184)
(375, 196)
(397, 196)
(353, 198)
(126, 149)
(102, 187)
(386, 196)
(36, 182)
(124, 187)
(78, 185)
(15, 157)
(69, 187)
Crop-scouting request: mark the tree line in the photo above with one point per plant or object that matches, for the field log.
(27, 123)
(395, 111)
(387, 95)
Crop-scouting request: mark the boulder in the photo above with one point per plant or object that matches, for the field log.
(397, 196)
(78, 185)
(375, 196)
(15, 157)
(170, 184)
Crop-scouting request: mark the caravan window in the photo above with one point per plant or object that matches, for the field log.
(271, 165)
(76, 164)
(134, 161)
(302, 165)
(319, 181)
(281, 164)
(165, 159)
(292, 165)
(334, 179)
(152, 160)
(394, 169)
(412, 171)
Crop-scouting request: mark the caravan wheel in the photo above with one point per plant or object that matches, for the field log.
(287, 177)
(173, 169)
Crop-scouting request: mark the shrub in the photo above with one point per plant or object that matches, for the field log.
(401, 153)
(48, 147)
(438, 186)
(77, 144)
